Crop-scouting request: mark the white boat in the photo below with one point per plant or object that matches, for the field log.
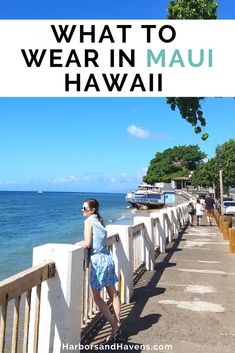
(147, 195)
(40, 192)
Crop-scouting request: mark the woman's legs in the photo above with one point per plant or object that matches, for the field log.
(209, 216)
(113, 294)
(114, 320)
(190, 218)
(104, 309)
(199, 218)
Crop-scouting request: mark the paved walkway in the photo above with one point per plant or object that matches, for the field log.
(188, 303)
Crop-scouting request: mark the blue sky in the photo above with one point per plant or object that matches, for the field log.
(95, 144)
(93, 9)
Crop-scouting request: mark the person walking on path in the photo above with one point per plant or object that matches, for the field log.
(191, 212)
(102, 270)
(209, 207)
(199, 212)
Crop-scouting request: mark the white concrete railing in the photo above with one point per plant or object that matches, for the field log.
(61, 296)
(15, 306)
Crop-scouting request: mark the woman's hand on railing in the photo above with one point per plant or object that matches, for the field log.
(82, 243)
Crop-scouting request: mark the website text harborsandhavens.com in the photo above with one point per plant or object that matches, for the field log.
(117, 346)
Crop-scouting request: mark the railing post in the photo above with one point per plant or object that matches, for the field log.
(184, 211)
(169, 224)
(123, 259)
(148, 240)
(174, 220)
(183, 216)
(61, 298)
(162, 233)
(156, 230)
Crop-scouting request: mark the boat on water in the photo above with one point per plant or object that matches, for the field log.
(40, 192)
(151, 196)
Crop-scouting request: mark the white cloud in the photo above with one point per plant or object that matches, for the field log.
(65, 179)
(7, 182)
(121, 182)
(72, 178)
(113, 180)
(122, 177)
(138, 132)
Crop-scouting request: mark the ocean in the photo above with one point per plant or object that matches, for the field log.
(29, 219)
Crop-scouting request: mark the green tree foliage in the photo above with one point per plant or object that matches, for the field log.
(226, 152)
(173, 162)
(204, 174)
(193, 9)
(207, 174)
(190, 108)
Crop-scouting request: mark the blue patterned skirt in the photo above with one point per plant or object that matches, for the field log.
(102, 270)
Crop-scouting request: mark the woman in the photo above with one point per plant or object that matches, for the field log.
(191, 211)
(199, 212)
(102, 272)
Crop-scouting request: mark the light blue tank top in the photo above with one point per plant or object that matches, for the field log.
(99, 235)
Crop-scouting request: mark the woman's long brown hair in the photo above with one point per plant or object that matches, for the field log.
(93, 203)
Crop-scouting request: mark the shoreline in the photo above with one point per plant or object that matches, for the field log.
(144, 213)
